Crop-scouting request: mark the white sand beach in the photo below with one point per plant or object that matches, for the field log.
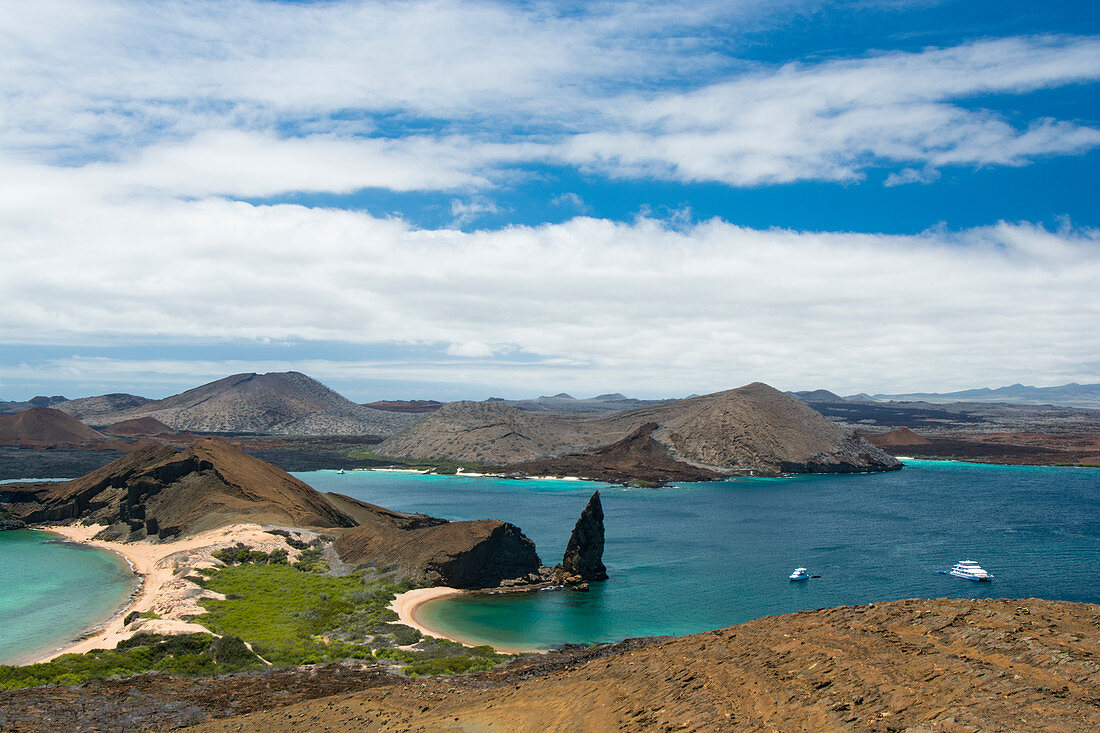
(162, 569)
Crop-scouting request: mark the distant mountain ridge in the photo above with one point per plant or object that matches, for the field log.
(281, 403)
(565, 404)
(1065, 395)
(751, 428)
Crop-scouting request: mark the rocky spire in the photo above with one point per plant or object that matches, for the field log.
(584, 553)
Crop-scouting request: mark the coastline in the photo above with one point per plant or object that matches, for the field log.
(161, 589)
(405, 606)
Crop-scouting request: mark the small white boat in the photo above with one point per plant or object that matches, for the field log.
(970, 570)
(800, 574)
(340, 471)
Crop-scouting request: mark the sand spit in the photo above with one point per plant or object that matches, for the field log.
(405, 604)
(164, 590)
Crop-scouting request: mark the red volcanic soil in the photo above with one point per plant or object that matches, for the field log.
(408, 406)
(1021, 448)
(41, 427)
(901, 436)
(142, 426)
(165, 492)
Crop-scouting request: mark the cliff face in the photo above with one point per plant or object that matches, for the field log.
(158, 491)
(584, 553)
(477, 554)
(752, 428)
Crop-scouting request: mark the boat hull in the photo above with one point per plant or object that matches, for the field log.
(975, 578)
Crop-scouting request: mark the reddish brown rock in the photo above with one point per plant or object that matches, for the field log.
(478, 554)
(42, 427)
(159, 491)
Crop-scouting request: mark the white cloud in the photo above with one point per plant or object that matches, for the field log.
(911, 175)
(246, 98)
(834, 120)
(589, 301)
(464, 212)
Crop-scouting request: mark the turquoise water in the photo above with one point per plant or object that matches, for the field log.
(704, 556)
(52, 591)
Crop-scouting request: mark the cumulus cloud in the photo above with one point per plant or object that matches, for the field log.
(708, 305)
(247, 98)
(911, 175)
(833, 120)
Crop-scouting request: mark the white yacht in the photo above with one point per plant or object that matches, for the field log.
(970, 570)
(800, 574)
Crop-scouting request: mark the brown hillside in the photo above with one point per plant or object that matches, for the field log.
(898, 437)
(752, 428)
(40, 427)
(285, 403)
(917, 665)
(492, 433)
(478, 554)
(637, 457)
(100, 409)
(141, 426)
(158, 491)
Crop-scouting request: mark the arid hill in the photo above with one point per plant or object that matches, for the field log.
(637, 457)
(898, 437)
(100, 409)
(158, 491)
(916, 665)
(492, 433)
(477, 554)
(286, 403)
(138, 427)
(752, 428)
(42, 427)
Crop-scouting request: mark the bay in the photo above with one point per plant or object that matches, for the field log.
(693, 557)
(51, 591)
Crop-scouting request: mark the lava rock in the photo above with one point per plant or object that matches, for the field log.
(584, 553)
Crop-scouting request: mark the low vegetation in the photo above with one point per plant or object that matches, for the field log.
(289, 615)
(190, 654)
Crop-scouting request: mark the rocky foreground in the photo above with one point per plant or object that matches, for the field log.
(916, 665)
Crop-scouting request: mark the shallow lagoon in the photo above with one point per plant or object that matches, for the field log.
(701, 556)
(51, 591)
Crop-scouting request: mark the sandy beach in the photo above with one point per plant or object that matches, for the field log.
(162, 569)
(405, 605)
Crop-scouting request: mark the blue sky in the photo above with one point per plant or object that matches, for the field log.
(450, 199)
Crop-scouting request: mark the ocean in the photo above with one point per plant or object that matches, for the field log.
(693, 557)
(682, 559)
(51, 591)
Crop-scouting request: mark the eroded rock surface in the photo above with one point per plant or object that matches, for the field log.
(584, 553)
(161, 492)
(751, 428)
(478, 554)
(916, 665)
